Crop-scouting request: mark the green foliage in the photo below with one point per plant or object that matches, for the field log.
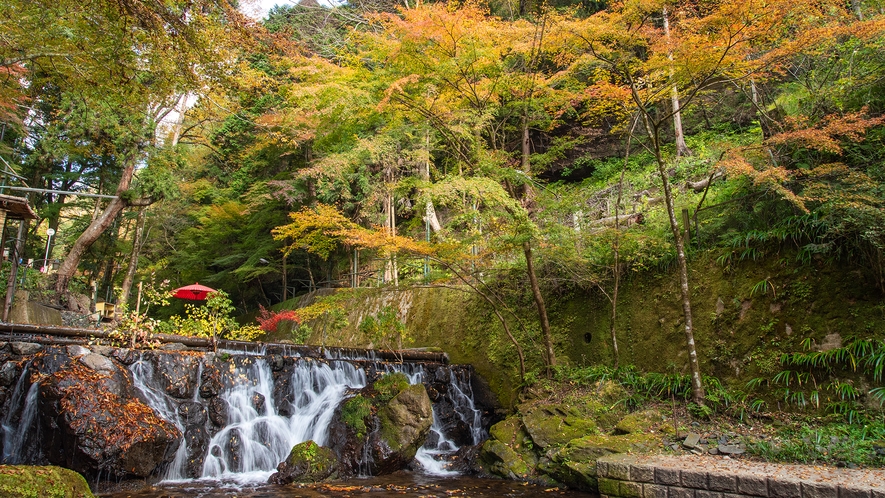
(385, 328)
(826, 441)
(213, 319)
(389, 385)
(354, 413)
(826, 379)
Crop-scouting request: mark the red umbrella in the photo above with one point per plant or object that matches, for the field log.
(194, 292)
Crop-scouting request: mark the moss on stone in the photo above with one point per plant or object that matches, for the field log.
(390, 384)
(556, 425)
(354, 413)
(22, 481)
(307, 462)
(405, 420)
(638, 422)
(499, 459)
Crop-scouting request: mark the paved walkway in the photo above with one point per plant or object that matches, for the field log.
(713, 476)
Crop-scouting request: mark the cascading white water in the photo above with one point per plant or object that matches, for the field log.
(15, 434)
(254, 440)
(464, 405)
(256, 437)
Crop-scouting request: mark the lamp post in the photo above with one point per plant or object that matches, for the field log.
(49, 233)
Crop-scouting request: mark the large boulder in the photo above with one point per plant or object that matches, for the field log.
(403, 426)
(509, 451)
(45, 482)
(307, 462)
(556, 425)
(387, 426)
(575, 463)
(94, 426)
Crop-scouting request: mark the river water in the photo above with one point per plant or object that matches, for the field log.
(401, 484)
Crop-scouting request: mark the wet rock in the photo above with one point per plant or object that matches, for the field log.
(276, 362)
(258, 403)
(218, 409)
(176, 374)
(8, 373)
(25, 348)
(75, 351)
(3, 345)
(192, 413)
(465, 460)
(196, 441)
(234, 449)
(556, 425)
(125, 356)
(91, 427)
(307, 462)
(98, 363)
(210, 381)
(404, 423)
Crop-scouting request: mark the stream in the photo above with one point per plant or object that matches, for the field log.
(400, 484)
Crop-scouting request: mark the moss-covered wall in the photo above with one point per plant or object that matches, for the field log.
(741, 324)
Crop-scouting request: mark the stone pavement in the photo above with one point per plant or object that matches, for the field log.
(703, 476)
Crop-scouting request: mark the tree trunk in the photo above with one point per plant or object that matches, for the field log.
(539, 302)
(101, 223)
(697, 386)
(681, 148)
(133, 257)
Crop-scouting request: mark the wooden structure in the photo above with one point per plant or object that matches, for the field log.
(13, 208)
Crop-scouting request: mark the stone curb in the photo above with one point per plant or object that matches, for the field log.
(626, 476)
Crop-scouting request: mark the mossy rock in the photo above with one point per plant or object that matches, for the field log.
(406, 419)
(23, 481)
(575, 475)
(556, 425)
(512, 433)
(498, 459)
(307, 462)
(638, 422)
(390, 384)
(575, 463)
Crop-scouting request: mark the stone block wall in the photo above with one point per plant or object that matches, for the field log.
(624, 476)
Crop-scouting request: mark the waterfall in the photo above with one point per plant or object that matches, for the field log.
(16, 432)
(464, 405)
(256, 436)
(258, 431)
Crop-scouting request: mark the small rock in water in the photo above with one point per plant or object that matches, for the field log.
(258, 403)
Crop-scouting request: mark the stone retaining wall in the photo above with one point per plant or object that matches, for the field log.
(624, 476)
